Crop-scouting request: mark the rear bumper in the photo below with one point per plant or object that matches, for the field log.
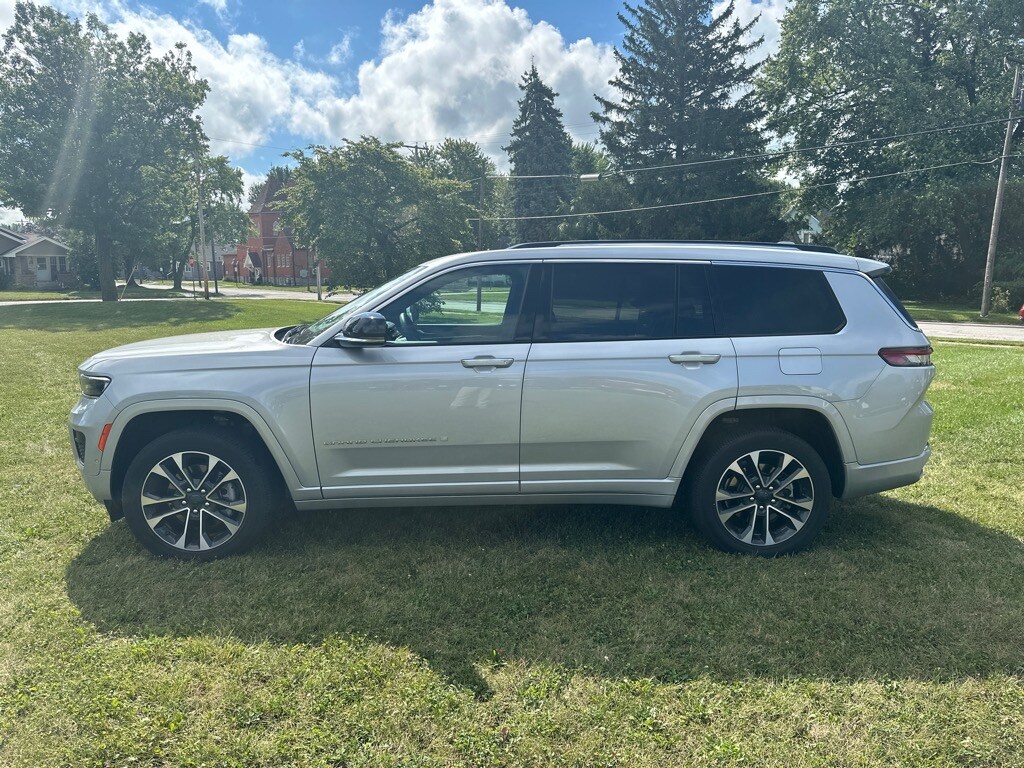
(864, 479)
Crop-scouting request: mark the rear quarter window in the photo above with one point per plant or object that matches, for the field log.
(887, 292)
(774, 301)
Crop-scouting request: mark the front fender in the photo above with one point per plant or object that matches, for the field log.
(301, 479)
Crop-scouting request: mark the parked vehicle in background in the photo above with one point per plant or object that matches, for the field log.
(749, 384)
(1020, 313)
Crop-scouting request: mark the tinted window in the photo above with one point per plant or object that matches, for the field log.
(774, 301)
(608, 302)
(614, 302)
(693, 313)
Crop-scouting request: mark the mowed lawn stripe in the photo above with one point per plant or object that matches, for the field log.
(506, 636)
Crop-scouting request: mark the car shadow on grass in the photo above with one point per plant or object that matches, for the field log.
(70, 316)
(890, 590)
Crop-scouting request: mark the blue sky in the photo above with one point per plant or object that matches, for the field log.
(287, 73)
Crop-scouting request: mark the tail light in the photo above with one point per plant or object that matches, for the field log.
(906, 357)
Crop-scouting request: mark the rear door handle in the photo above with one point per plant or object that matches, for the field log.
(488, 362)
(694, 357)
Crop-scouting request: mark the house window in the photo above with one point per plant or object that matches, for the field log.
(40, 263)
(63, 263)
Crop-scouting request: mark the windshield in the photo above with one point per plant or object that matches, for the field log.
(303, 335)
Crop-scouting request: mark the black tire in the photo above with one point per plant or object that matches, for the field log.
(790, 526)
(247, 503)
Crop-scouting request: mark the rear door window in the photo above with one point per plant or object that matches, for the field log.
(619, 301)
(611, 302)
(774, 301)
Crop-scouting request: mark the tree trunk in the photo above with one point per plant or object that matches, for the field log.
(179, 268)
(179, 272)
(129, 271)
(105, 263)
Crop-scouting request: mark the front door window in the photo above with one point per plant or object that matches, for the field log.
(476, 305)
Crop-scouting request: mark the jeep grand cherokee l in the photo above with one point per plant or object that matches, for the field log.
(748, 384)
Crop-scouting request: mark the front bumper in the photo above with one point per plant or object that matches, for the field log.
(85, 424)
(865, 479)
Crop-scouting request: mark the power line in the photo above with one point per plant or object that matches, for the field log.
(744, 197)
(776, 153)
(712, 161)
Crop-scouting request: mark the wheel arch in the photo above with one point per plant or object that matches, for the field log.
(137, 426)
(810, 421)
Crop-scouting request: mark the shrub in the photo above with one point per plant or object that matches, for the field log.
(1013, 290)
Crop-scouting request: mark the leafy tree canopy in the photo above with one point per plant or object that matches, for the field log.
(91, 124)
(371, 213)
(685, 82)
(540, 146)
(849, 70)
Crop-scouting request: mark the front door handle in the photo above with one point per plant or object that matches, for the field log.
(488, 362)
(694, 357)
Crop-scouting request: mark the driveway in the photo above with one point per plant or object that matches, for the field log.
(982, 331)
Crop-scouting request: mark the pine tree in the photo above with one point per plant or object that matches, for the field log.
(686, 95)
(540, 146)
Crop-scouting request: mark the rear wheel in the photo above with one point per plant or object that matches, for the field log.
(764, 493)
(197, 495)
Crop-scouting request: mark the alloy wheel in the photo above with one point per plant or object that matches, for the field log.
(193, 501)
(764, 497)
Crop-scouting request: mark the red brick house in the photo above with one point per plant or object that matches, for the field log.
(270, 256)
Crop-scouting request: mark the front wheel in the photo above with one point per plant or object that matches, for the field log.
(197, 495)
(763, 493)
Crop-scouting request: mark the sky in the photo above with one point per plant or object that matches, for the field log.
(285, 74)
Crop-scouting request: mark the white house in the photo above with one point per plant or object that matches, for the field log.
(32, 260)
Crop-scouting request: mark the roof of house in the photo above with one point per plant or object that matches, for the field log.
(14, 243)
(267, 194)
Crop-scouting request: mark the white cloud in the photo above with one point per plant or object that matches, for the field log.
(6, 13)
(249, 180)
(220, 6)
(771, 12)
(340, 52)
(452, 69)
(10, 215)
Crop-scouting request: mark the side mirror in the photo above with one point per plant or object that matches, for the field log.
(363, 329)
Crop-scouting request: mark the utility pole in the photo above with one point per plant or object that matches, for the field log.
(213, 260)
(480, 221)
(202, 236)
(997, 211)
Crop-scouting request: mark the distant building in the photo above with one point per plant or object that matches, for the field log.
(33, 260)
(270, 256)
(808, 226)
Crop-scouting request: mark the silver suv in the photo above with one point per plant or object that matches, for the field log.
(749, 384)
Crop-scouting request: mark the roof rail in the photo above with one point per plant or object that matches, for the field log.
(797, 246)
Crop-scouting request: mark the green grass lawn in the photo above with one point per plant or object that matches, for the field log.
(586, 636)
(134, 292)
(926, 311)
(233, 284)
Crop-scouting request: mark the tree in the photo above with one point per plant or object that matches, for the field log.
(848, 71)
(611, 192)
(463, 161)
(540, 146)
(90, 125)
(685, 81)
(371, 213)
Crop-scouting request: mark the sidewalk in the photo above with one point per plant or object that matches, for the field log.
(226, 292)
(982, 331)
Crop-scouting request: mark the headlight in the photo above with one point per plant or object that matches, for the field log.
(92, 385)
